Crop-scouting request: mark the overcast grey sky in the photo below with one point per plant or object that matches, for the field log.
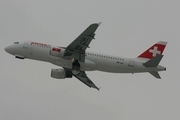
(27, 92)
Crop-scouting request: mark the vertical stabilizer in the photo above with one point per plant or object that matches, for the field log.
(153, 51)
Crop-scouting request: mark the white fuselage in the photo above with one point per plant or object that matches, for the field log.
(93, 61)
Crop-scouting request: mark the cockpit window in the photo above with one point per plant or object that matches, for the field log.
(16, 42)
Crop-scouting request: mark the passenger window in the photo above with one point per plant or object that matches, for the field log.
(16, 42)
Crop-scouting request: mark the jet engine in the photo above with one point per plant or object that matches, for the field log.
(60, 74)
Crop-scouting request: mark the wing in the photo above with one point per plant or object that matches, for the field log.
(81, 43)
(83, 78)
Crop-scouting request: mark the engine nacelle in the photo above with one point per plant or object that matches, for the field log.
(60, 74)
(57, 51)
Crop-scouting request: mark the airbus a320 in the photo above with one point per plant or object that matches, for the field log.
(74, 60)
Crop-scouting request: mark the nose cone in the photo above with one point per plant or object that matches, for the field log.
(9, 50)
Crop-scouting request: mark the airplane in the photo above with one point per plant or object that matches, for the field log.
(74, 60)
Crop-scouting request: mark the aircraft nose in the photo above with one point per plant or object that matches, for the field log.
(9, 49)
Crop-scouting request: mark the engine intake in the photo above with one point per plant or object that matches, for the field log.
(60, 74)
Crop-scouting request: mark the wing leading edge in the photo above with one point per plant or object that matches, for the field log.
(81, 43)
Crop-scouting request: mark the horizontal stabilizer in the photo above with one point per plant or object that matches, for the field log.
(155, 74)
(154, 62)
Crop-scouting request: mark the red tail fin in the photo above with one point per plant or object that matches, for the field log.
(156, 49)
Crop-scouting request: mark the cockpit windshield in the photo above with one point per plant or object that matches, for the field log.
(16, 42)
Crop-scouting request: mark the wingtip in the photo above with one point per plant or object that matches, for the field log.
(98, 88)
(99, 23)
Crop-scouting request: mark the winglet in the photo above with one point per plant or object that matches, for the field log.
(98, 89)
(95, 87)
(99, 23)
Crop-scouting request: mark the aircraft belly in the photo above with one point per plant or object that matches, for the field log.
(108, 65)
(87, 65)
(61, 62)
(39, 55)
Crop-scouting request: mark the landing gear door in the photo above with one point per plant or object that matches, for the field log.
(26, 44)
